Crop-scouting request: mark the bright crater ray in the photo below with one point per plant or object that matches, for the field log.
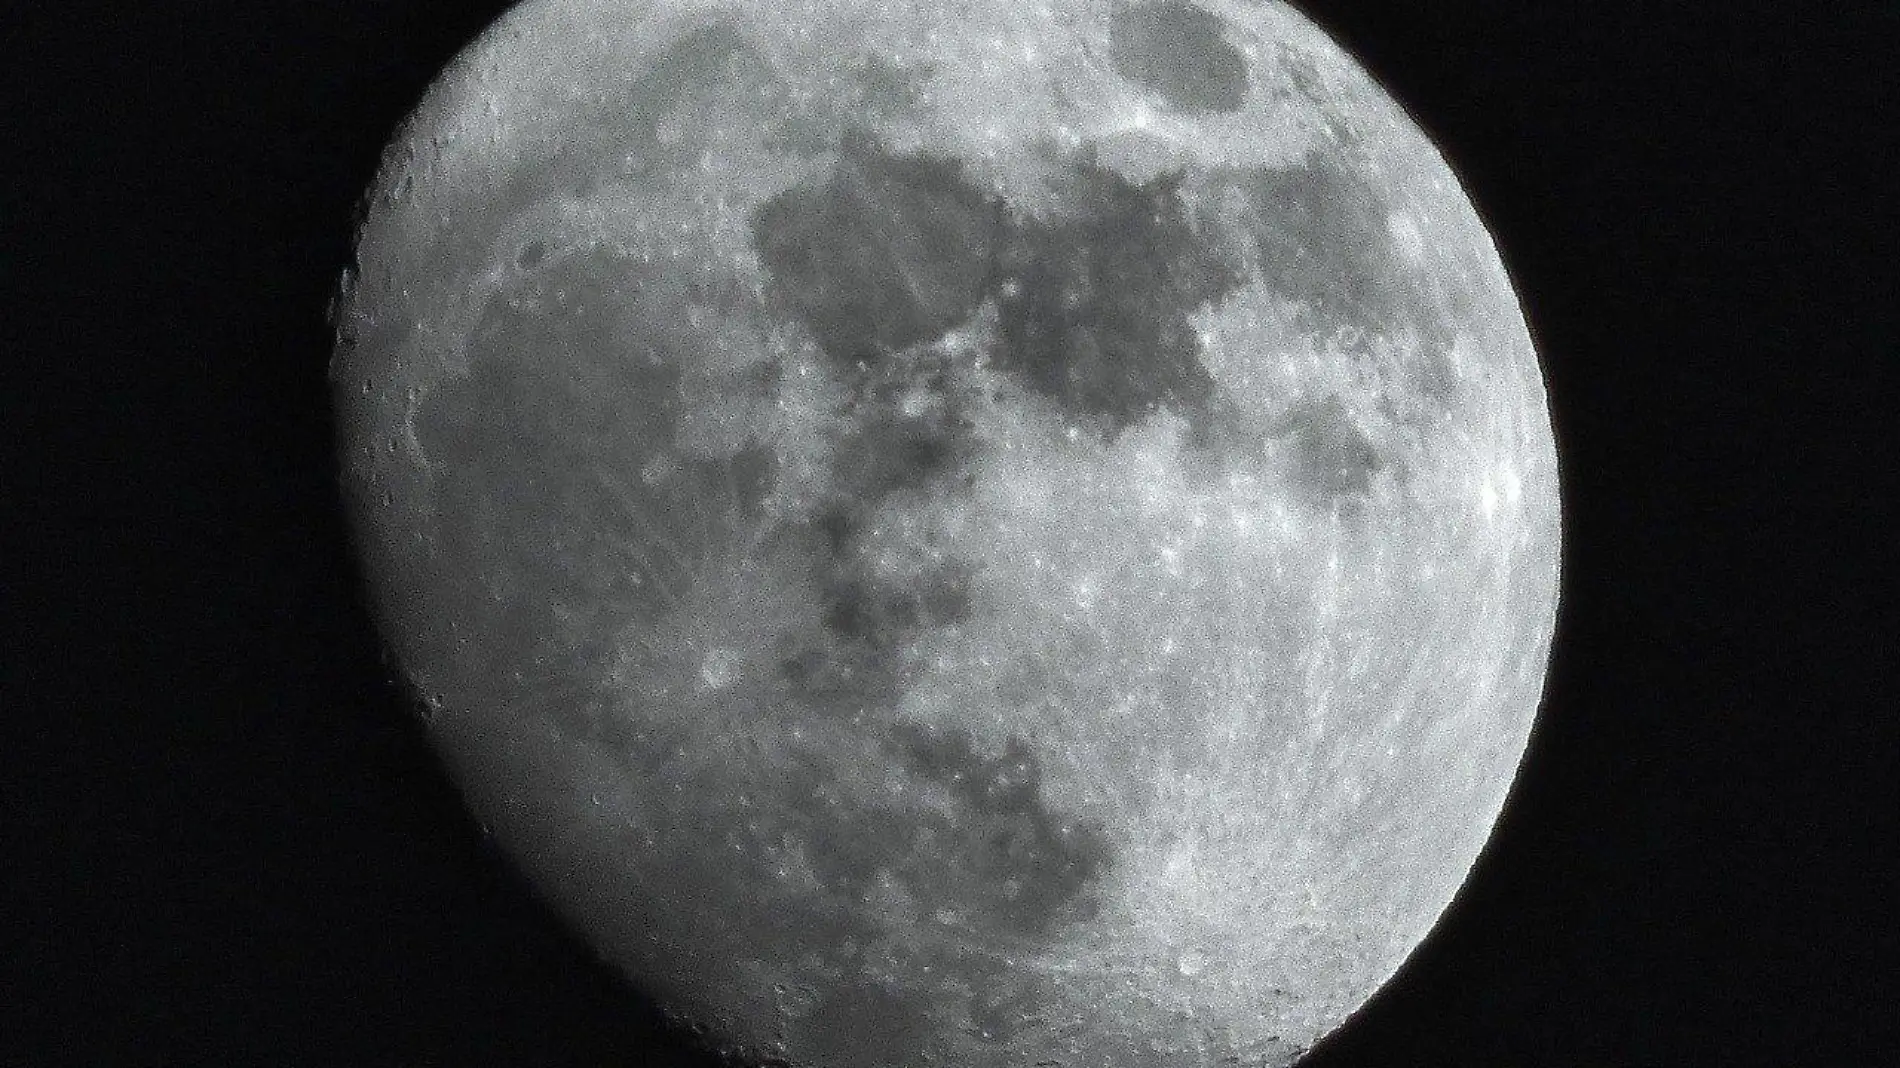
(984, 534)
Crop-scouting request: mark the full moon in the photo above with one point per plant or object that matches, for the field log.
(977, 533)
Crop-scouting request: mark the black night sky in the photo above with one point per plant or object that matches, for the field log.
(223, 841)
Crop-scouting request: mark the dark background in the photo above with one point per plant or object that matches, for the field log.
(222, 841)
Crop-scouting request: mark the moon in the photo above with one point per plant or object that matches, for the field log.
(980, 533)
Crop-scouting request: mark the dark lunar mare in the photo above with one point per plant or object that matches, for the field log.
(1004, 863)
(1093, 312)
(550, 541)
(879, 259)
(1095, 309)
(892, 250)
(1318, 232)
(1178, 50)
(547, 538)
(548, 399)
(1332, 456)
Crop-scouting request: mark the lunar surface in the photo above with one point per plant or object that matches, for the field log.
(980, 533)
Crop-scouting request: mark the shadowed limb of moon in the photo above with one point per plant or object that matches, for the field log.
(1001, 534)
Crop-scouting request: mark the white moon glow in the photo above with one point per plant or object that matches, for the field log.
(988, 533)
